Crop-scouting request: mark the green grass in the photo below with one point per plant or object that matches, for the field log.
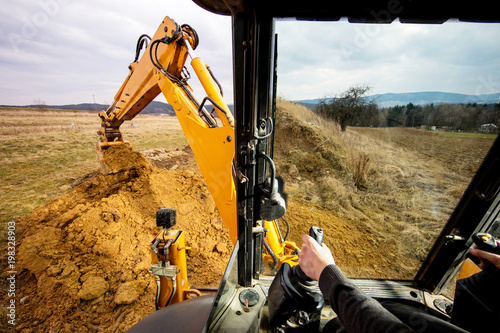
(36, 167)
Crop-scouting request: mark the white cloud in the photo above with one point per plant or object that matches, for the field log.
(66, 51)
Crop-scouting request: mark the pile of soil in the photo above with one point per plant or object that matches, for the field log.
(359, 250)
(83, 258)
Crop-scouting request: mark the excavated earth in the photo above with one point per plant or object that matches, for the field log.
(83, 258)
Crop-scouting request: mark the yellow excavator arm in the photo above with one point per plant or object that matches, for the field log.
(211, 137)
(161, 70)
(163, 62)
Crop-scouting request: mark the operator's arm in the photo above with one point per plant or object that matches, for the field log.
(357, 311)
(477, 296)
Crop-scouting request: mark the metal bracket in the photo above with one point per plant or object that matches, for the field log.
(168, 271)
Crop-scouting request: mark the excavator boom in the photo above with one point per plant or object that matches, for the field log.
(161, 70)
(211, 137)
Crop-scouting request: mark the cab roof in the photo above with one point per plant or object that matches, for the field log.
(364, 11)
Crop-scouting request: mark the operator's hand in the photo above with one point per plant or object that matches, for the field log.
(483, 256)
(314, 258)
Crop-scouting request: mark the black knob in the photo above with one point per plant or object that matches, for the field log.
(486, 242)
(166, 218)
(317, 234)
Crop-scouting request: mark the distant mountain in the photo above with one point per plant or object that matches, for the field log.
(420, 98)
(382, 100)
(153, 107)
(433, 97)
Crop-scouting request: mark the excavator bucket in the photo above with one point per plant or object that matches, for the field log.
(103, 168)
(101, 147)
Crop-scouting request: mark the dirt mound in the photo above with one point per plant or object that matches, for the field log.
(316, 162)
(83, 258)
(172, 160)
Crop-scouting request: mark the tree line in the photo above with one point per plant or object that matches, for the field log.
(454, 117)
(352, 108)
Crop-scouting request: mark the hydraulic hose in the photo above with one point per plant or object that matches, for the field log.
(141, 42)
(174, 288)
(271, 252)
(157, 298)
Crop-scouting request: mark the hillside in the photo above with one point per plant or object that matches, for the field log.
(397, 185)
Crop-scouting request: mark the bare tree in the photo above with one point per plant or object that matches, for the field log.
(40, 104)
(350, 108)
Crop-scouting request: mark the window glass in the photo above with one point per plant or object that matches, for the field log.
(379, 130)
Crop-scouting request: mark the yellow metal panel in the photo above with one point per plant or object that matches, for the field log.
(213, 149)
(176, 257)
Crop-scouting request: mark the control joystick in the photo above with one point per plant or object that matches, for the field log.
(317, 234)
(294, 303)
(486, 242)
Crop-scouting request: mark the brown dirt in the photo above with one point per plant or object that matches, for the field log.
(358, 249)
(83, 258)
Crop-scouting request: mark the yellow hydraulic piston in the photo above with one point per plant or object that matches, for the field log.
(168, 253)
(210, 87)
(278, 251)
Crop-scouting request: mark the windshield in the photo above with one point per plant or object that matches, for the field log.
(226, 288)
(379, 130)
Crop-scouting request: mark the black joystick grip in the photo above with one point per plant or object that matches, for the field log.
(486, 242)
(317, 234)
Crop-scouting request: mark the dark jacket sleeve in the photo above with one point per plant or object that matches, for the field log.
(357, 311)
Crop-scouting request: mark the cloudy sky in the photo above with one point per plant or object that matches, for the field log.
(454, 57)
(71, 51)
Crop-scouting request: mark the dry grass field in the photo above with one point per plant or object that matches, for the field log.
(44, 154)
